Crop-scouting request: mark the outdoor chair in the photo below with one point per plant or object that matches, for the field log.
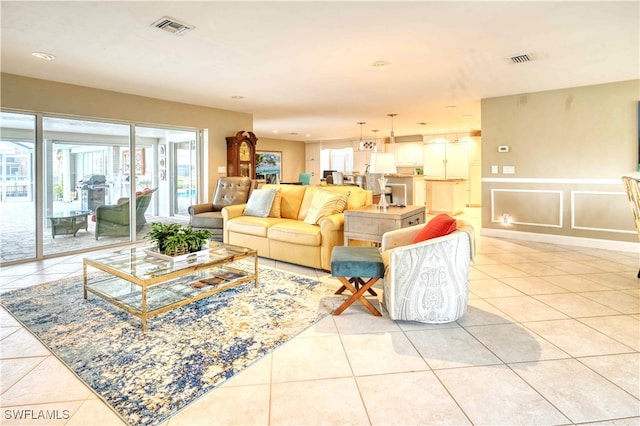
(113, 220)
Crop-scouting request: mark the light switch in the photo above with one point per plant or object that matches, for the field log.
(494, 169)
(508, 170)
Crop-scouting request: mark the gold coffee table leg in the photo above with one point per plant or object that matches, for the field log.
(84, 279)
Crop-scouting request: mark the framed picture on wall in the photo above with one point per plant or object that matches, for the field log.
(269, 166)
(139, 163)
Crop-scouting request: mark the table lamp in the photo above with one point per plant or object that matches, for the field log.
(382, 162)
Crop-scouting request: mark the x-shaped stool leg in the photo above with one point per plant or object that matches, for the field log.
(357, 294)
(357, 282)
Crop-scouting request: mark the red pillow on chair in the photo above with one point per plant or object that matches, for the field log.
(441, 225)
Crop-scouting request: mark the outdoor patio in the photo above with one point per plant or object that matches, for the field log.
(18, 236)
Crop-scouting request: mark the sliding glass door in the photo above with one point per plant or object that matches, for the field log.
(86, 172)
(17, 187)
(173, 167)
(68, 188)
(185, 176)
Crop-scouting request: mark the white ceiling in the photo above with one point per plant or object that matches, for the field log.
(306, 67)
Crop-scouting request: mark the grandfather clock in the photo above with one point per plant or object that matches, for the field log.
(241, 155)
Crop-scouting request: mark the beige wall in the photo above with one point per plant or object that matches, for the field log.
(569, 148)
(292, 156)
(44, 96)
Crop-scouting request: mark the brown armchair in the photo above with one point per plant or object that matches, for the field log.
(229, 191)
(113, 220)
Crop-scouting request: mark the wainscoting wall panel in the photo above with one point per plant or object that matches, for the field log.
(527, 207)
(601, 211)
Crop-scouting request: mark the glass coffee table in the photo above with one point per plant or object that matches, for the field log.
(146, 286)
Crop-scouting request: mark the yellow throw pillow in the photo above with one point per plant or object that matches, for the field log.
(275, 207)
(341, 204)
(291, 199)
(322, 205)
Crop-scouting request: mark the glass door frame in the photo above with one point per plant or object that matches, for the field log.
(39, 175)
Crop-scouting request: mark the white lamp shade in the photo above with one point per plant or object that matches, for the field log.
(382, 162)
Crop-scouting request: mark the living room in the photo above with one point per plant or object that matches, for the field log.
(561, 265)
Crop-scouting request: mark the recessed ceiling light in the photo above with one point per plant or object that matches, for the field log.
(451, 106)
(275, 131)
(308, 135)
(237, 97)
(293, 133)
(44, 56)
(466, 116)
(422, 123)
(381, 64)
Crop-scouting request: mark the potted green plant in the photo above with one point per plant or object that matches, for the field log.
(197, 238)
(174, 239)
(177, 244)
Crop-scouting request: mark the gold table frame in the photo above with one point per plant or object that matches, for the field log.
(133, 267)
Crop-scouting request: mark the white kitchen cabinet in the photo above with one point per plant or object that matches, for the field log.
(446, 160)
(408, 154)
(419, 191)
(446, 196)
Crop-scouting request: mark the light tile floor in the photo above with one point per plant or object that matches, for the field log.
(551, 336)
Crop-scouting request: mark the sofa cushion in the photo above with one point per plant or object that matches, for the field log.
(251, 225)
(260, 202)
(323, 204)
(439, 226)
(297, 232)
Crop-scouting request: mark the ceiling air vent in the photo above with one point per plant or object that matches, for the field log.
(172, 26)
(520, 59)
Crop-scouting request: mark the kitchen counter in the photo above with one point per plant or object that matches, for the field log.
(402, 175)
(446, 196)
(407, 189)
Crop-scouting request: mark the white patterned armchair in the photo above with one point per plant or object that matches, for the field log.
(427, 281)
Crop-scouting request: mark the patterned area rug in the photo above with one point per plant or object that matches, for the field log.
(185, 353)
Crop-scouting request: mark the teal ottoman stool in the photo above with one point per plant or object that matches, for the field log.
(350, 265)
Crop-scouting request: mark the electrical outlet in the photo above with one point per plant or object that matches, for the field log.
(508, 170)
(222, 169)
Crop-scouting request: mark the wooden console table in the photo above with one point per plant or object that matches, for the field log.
(369, 223)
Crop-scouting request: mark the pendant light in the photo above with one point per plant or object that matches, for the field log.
(375, 139)
(361, 141)
(392, 138)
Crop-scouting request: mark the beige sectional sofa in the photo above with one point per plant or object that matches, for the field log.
(284, 235)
